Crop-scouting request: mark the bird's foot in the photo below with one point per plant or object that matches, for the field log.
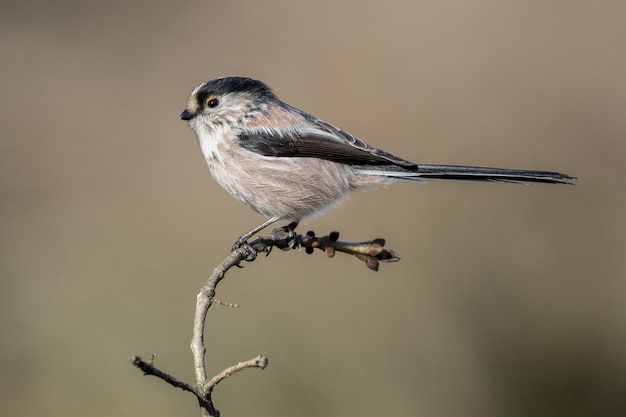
(250, 252)
(287, 236)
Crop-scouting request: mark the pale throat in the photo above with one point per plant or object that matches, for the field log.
(213, 141)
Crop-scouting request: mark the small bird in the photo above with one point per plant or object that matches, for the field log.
(289, 165)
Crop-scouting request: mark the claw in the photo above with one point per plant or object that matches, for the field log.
(244, 244)
(238, 243)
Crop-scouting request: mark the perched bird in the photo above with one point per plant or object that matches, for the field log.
(288, 165)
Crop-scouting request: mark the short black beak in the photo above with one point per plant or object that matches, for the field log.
(186, 115)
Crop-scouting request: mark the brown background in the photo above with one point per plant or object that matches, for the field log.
(509, 300)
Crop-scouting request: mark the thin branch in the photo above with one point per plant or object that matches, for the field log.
(149, 369)
(206, 404)
(371, 252)
(204, 299)
(259, 362)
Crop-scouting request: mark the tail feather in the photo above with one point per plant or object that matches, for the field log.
(454, 172)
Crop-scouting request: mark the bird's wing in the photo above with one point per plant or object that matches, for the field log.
(318, 140)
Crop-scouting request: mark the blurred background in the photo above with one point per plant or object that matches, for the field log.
(509, 299)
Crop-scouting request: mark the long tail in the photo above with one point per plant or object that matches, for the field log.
(455, 172)
(452, 172)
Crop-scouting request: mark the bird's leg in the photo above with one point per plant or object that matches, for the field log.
(243, 239)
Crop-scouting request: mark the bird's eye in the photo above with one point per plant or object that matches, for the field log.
(212, 102)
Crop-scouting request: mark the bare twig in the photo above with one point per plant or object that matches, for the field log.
(206, 405)
(258, 362)
(204, 300)
(149, 369)
(371, 252)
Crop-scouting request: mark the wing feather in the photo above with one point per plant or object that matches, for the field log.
(318, 140)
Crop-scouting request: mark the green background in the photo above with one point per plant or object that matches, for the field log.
(509, 299)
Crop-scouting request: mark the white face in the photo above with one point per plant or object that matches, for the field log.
(216, 111)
